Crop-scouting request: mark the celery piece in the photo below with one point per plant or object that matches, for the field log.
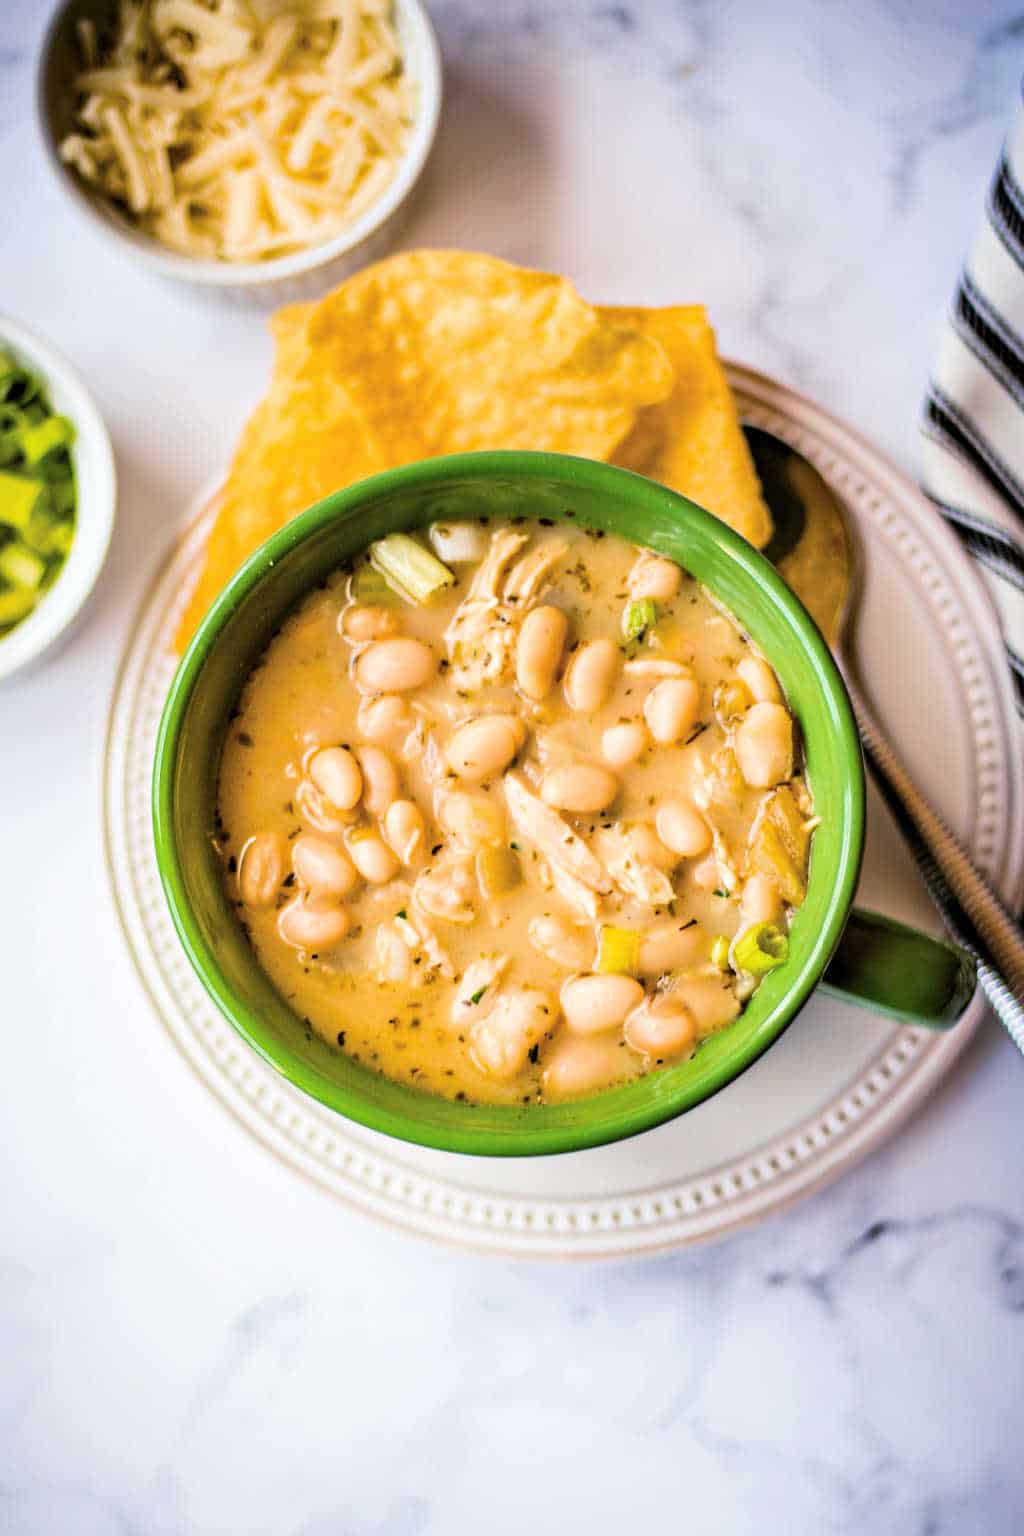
(18, 498)
(618, 950)
(15, 604)
(40, 439)
(412, 568)
(760, 948)
(497, 871)
(640, 616)
(720, 952)
(372, 587)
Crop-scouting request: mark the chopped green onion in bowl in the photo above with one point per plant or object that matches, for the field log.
(37, 492)
(760, 948)
(618, 952)
(640, 615)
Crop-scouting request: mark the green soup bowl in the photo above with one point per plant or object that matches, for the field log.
(867, 958)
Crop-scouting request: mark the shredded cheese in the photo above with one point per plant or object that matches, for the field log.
(242, 129)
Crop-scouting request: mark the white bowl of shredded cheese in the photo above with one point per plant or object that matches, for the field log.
(242, 145)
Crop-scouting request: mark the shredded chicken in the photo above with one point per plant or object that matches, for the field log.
(474, 996)
(574, 893)
(480, 639)
(553, 837)
(632, 876)
(444, 891)
(505, 545)
(527, 577)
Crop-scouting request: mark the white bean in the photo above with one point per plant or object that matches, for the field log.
(590, 675)
(336, 774)
(496, 1048)
(682, 828)
(395, 665)
(760, 680)
(707, 875)
(666, 946)
(322, 866)
(623, 744)
(386, 720)
(580, 1064)
(654, 576)
(649, 848)
(373, 858)
(760, 902)
(539, 651)
(380, 779)
(764, 745)
(315, 809)
(671, 709)
(306, 923)
(592, 1004)
(709, 1000)
(261, 866)
(405, 830)
(662, 1027)
(499, 1042)
(361, 623)
(580, 788)
(485, 746)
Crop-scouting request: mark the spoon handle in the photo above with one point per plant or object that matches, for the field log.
(976, 916)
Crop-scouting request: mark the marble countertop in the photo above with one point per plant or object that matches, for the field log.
(194, 1340)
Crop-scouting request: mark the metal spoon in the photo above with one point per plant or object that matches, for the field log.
(814, 548)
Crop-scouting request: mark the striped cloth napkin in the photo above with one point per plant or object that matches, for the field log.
(973, 453)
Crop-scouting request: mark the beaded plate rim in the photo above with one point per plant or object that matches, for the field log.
(386, 1183)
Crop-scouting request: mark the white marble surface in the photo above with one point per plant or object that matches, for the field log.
(192, 1340)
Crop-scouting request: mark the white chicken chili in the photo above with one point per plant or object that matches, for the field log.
(520, 826)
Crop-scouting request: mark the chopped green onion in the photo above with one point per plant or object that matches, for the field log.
(477, 996)
(18, 499)
(410, 566)
(37, 491)
(720, 952)
(618, 950)
(15, 603)
(760, 948)
(40, 438)
(640, 616)
(20, 567)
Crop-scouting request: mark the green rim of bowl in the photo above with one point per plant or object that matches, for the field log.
(750, 589)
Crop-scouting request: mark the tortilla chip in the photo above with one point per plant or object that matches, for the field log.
(693, 441)
(427, 353)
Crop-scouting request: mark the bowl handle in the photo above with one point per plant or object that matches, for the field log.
(892, 969)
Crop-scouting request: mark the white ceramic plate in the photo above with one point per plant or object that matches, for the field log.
(837, 1082)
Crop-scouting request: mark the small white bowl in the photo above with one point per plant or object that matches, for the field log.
(96, 499)
(284, 278)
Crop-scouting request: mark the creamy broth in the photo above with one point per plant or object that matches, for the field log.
(529, 839)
